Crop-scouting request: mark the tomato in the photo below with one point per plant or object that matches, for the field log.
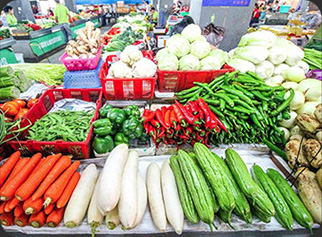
(15, 104)
(21, 103)
(21, 114)
(1, 105)
(31, 103)
(10, 109)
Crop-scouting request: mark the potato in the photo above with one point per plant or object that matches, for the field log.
(310, 193)
(312, 150)
(319, 177)
(292, 149)
(308, 123)
(318, 136)
(318, 113)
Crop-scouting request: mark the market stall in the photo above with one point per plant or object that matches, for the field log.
(39, 44)
(186, 138)
(7, 56)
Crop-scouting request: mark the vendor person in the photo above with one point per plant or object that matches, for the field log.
(154, 16)
(62, 17)
(11, 19)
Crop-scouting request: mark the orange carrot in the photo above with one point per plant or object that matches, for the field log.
(41, 162)
(2, 206)
(11, 204)
(38, 219)
(20, 164)
(64, 198)
(18, 210)
(31, 207)
(62, 164)
(9, 188)
(55, 217)
(49, 208)
(56, 189)
(8, 166)
(31, 184)
(7, 219)
(22, 220)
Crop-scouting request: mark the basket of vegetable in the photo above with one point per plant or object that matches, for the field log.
(131, 77)
(189, 58)
(85, 53)
(67, 132)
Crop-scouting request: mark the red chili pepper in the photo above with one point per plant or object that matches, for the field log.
(163, 110)
(195, 108)
(161, 118)
(180, 117)
(148, 115)
(155, 123)
(167, 118)
(189, 116)
(211, 121)
(173, 120)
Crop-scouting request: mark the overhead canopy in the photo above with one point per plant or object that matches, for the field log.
(99, 2)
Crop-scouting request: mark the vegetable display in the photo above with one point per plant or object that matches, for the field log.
(313, 58)
(247, 107)
(87, 43)
(50, 74)
(190, 51)
(117, 126)
(179, 124)
(62, 125)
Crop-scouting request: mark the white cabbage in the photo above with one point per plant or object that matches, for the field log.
(162, 52)
(277, 55)
(253, 54)
(241, 65)
(144, 68)
(294, 53)
(280, 69)
(189, 62)
(191, 32)
(258, 38)
(179, 46)
(295, 74)
(265, 69)
(200, 49)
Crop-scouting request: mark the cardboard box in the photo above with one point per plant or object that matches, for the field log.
(162, 40)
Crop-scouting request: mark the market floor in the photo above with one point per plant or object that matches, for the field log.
(55, 57)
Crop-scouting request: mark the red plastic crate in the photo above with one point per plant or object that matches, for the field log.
(79, 150)
(126, 88)
(174, 81)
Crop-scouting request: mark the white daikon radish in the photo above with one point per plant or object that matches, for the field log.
(112, 218)
(153, 183)
(142, 199)
(79, 201)
(171, 199)
(109, 190)
(128, 204)
(94, 216)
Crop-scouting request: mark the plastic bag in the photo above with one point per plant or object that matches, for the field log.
(214, 34)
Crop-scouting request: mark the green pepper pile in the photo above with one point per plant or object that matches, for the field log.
(117, 126)
(248, 107)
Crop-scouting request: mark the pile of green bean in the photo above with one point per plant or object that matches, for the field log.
(248, 107)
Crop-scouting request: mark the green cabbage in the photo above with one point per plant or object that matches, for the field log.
(179, 46)
(168, 62)
(189, 62)
(162, 53)
(191, 32)
(210, 63)
(221, 55)
(200, 49)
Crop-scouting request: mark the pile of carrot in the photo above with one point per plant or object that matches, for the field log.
(36, 190)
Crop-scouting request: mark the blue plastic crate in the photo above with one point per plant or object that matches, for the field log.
(284, 9)
(83, 79)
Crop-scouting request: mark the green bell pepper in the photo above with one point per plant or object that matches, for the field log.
(116, 115)
(120, 138)
(102, 145)
(104, 110)
(103, 127)
(132, 128)
(132, 111)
